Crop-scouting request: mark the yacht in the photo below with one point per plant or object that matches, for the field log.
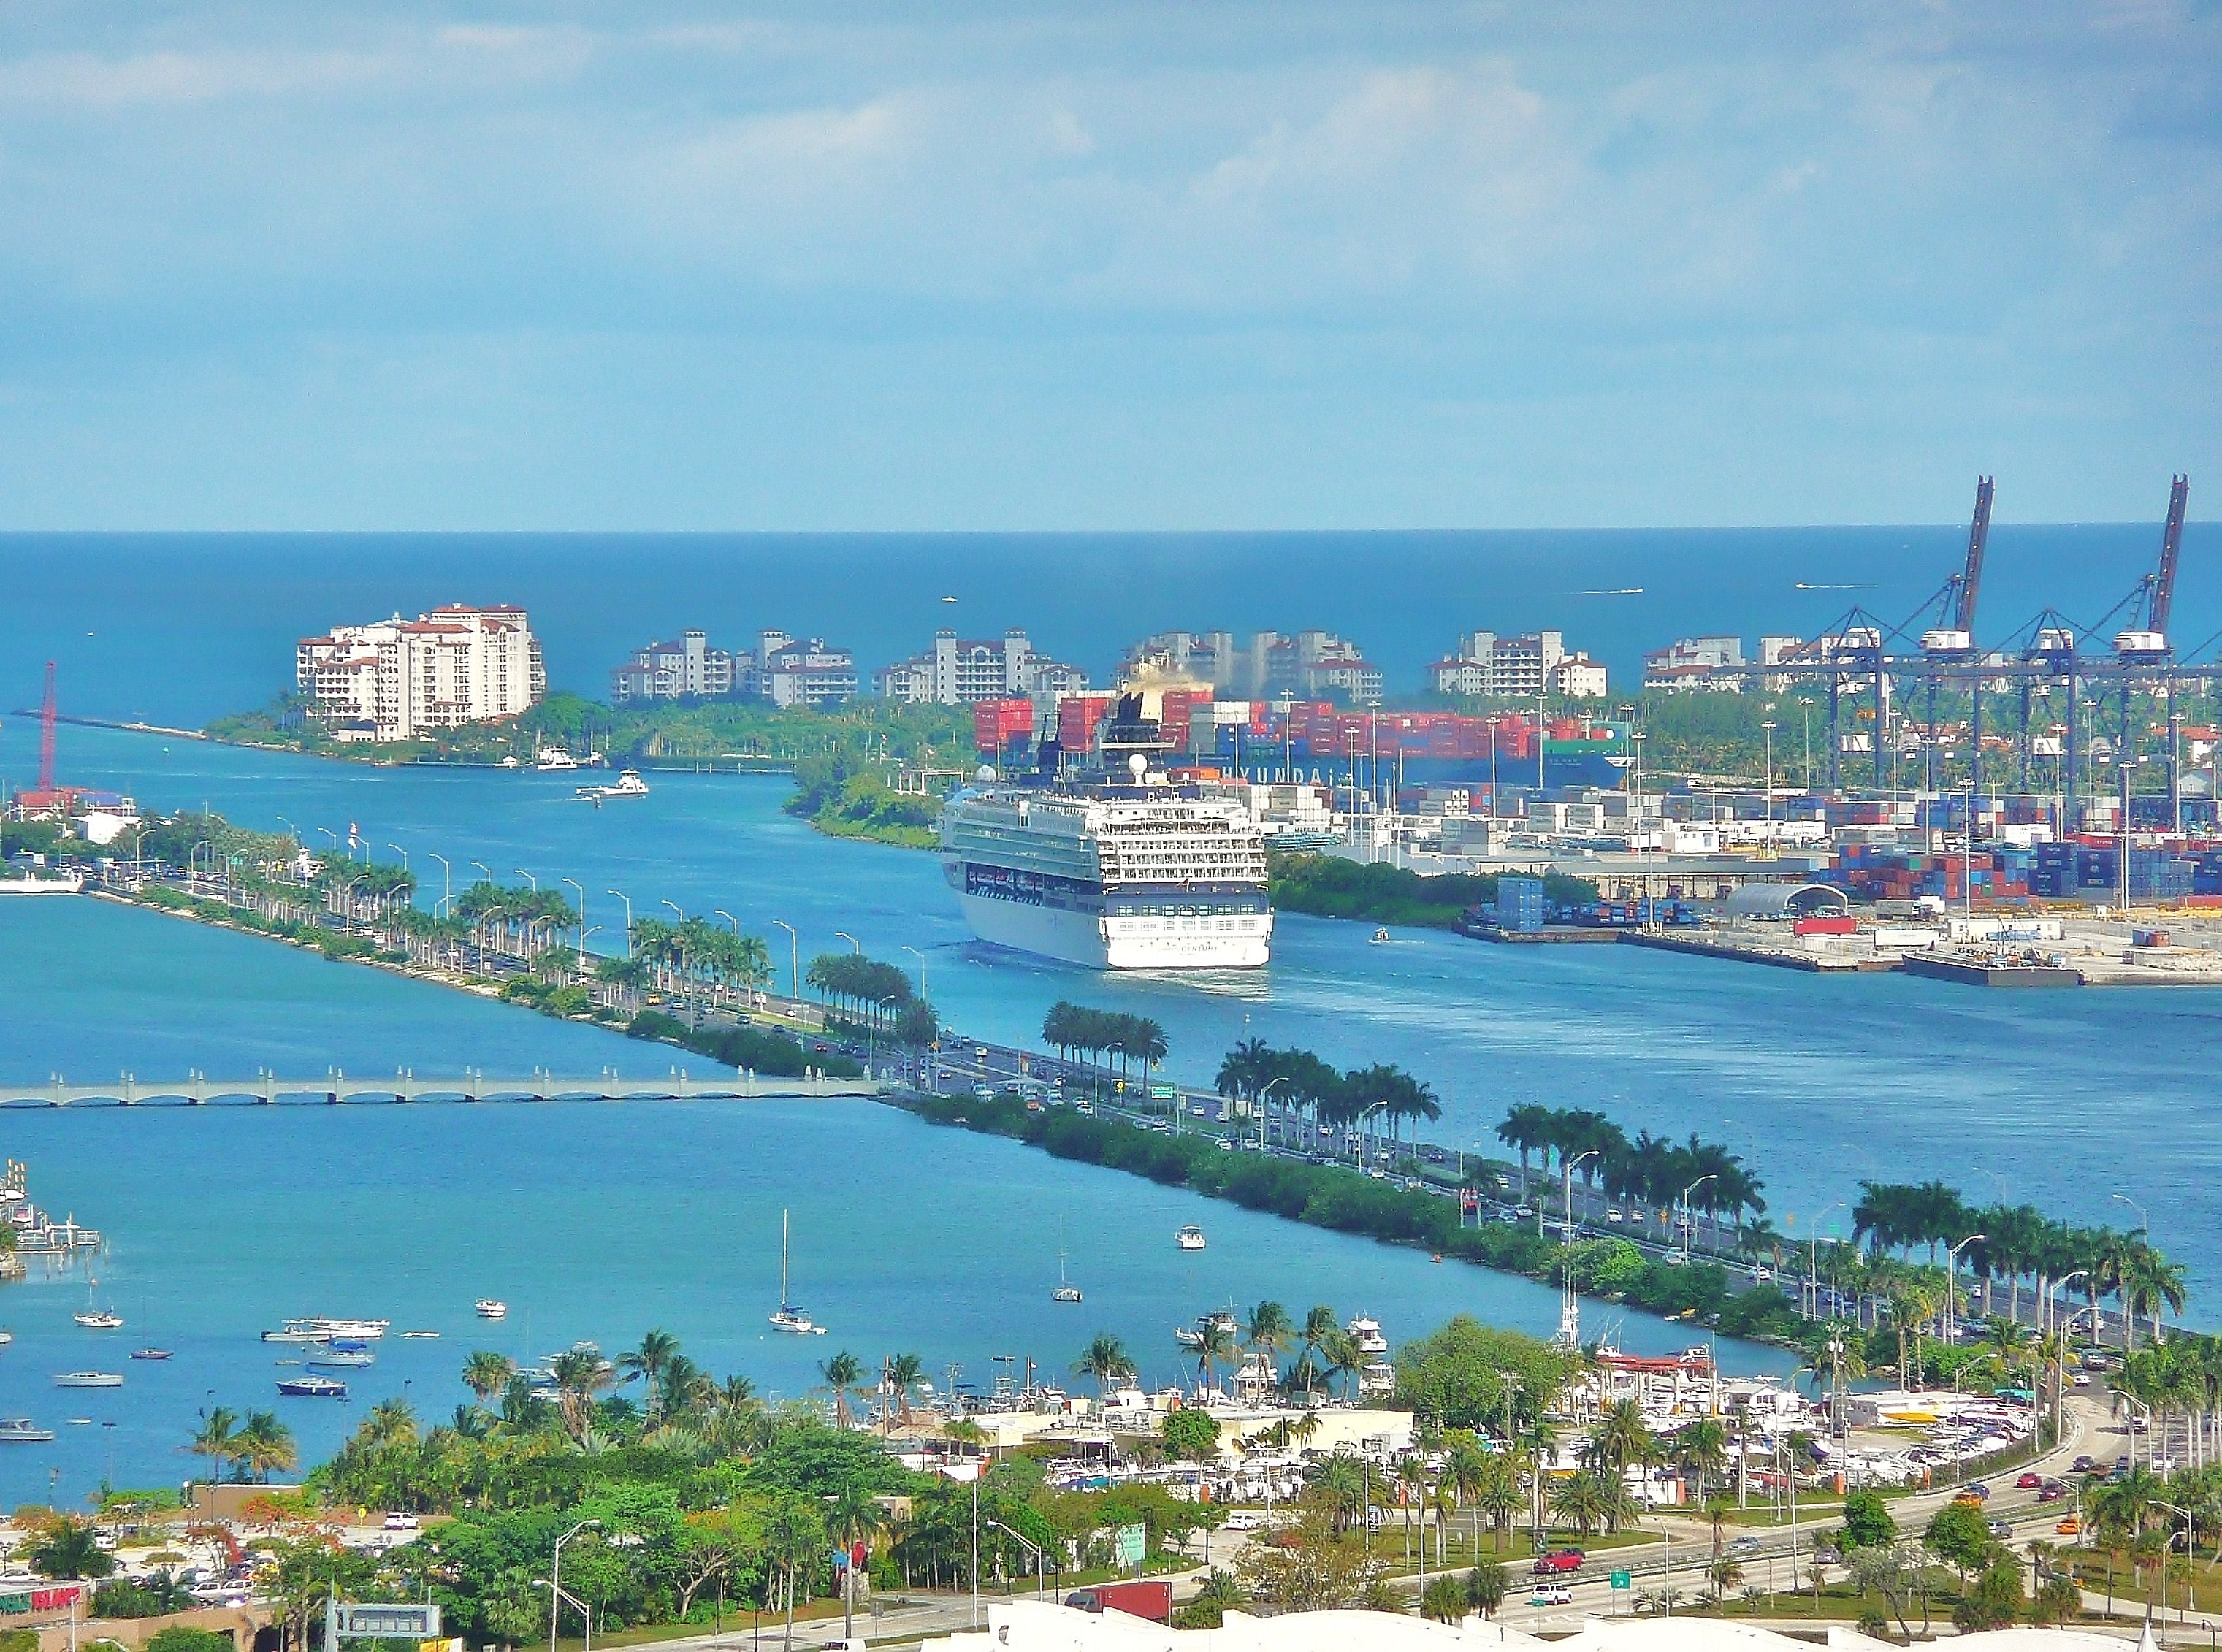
(22, 1430)
(487, 1307)
(340, 1359)
(99, 1319)
(312, 1388)
(32, 883)
(1218, 1320)
(1189, 1238)
(89, 1379)
(554, 760)
(150, 1353)
(1376, 1372)
(1122, 868)
(295, 1331)
(796, 1321)
(350, 1329)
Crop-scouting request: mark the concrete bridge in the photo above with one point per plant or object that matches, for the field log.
(335, 1087)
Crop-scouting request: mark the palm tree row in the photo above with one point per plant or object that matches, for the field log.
(1075, 1030)
(696, 955)
(2014, 1243)
(1650, 1168)
(258, 1444)
(1293, 1085)
(864, 987)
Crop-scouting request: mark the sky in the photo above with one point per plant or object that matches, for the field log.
(1192, 265)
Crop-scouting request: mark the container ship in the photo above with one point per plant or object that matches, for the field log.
(1114, 865)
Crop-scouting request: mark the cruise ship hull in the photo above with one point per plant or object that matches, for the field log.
(1078, 937)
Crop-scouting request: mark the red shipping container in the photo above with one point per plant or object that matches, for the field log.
(1825, 926)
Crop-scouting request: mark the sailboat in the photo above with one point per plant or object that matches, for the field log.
(1066, 1290)
(796, 1321)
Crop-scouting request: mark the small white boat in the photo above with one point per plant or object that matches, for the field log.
(1189, 1238)
(20, 1430)
(425, 1336)
(292, 1335)
(1066, 1290)
(312, 1388)
(99, 1319)
(1379, 936)
(349, 1329)
(89, 1379)
(6, 1337)
(150, 1353)
(629, 784)
(487, 1307)
(554, 760)
(1065, 1293)
(335, 1360)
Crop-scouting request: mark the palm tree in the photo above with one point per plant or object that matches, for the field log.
(904, 1374)
(1270, 1331)
(579, 1374)
(1702, 1448)
(841, 1373)
(391, 1422)
(1320, 1325)
(1620, 1437)
(854, 1516)
(1214, 1347)
(486, 1373)
(69, 1548)
(1582, 1498)
(265, 1444)
(656, 1350)
(217, 1439)
(1106, 1361)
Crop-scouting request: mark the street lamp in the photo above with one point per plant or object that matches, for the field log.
(2060, 1286)
(447, 880)
(676, 908)
(852, 941)
(730, 919)
(1689, 1222)
(488, 869)
(1566, 1201)
(1952, 1285)
(1262, 1095)
(556, 1584)
(581, 889)
(1813, 1255)
(528, 878)
(920, 957)
(628, 906)
(795, 961)
(1768, 726)
(2144, 1223)
(403, 853)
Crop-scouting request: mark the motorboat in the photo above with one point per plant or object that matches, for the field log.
(1189, 1238)
(89, 1379)
(425, 1336)
(6, 1337)
(350, 1329)
(554, 760)
(312, 1388)
(150, 1353)
(99, 1319)
(20, 1430)
(340, 1359)
(487, 1307)
(628, 784)
(795, 1322)
(294, 1332)
(1205, 1325)
(1380, 936)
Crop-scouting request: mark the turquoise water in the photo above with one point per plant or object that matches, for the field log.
(601, 1221)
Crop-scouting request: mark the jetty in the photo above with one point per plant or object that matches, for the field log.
(336, 1087)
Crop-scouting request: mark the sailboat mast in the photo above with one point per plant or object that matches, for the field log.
(782, 1259)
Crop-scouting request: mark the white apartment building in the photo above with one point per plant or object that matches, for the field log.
(403, 680)
(962, 672)
(687, 668)
(790, 672)
(1315, 662)
(1192, 656)
(1695, 662)
(1489, 667)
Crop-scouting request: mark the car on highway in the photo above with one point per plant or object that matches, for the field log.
(1675, 1259)
(1745, 1545)
(1559, 1562)
(1508, 1216)
(2052, 1491)
(1525, 1212)
(2084, 1465)
(1615, 1217)
(2071, 1527)
(1976, 1488)
(1551, 1594)
(2029, 1482)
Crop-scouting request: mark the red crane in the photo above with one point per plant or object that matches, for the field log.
(47, 735)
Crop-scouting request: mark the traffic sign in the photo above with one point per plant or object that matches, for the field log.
(1163, 1092)
(1621, 1580)
(1133, 1543)
(406, 1622)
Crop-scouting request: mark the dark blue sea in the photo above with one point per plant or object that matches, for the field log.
(182, 628)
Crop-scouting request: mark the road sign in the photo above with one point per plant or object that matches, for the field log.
(1133, 1543)
(1163, 1092)
(1621, 1580)
(407, 1622)
(1374, 1520)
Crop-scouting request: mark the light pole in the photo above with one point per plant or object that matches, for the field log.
(581, 889)
(795, 961)
(1566, 1201)
(676, 908)
(2144, 1222)
(555, 1582)
(852, 941)
(488, 869)
(628, 906)
(2044, 1318)
(291, 827)
(1689, 1222)
(730, 919)
(528, 878)
(1768, 727)
(447, 880)
(403, 853)
(1262, 1095)
(1493, 773)
(1952, 1286)
(1813, 1256)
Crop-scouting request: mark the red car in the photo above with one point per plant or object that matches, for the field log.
(1559, 1561)
(2029, 1482)
(2053, 1492)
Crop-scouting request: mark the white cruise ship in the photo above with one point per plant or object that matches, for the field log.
(1145, 877)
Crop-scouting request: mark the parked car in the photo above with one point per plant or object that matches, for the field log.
(400, 1520)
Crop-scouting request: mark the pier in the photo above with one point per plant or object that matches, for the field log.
(336, 1087)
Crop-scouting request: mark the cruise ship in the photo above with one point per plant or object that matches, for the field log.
(1120, 869)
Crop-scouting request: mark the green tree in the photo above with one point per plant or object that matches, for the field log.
(179, 1637)
(1191, 1434)
(1994, 1602)
(1867, 1523)
(1959, 1535)
(1444, 1600)
(1105, 1362)
(1454, 1378)
(1486, 1586)
(486, 1373)
(65, 1547)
